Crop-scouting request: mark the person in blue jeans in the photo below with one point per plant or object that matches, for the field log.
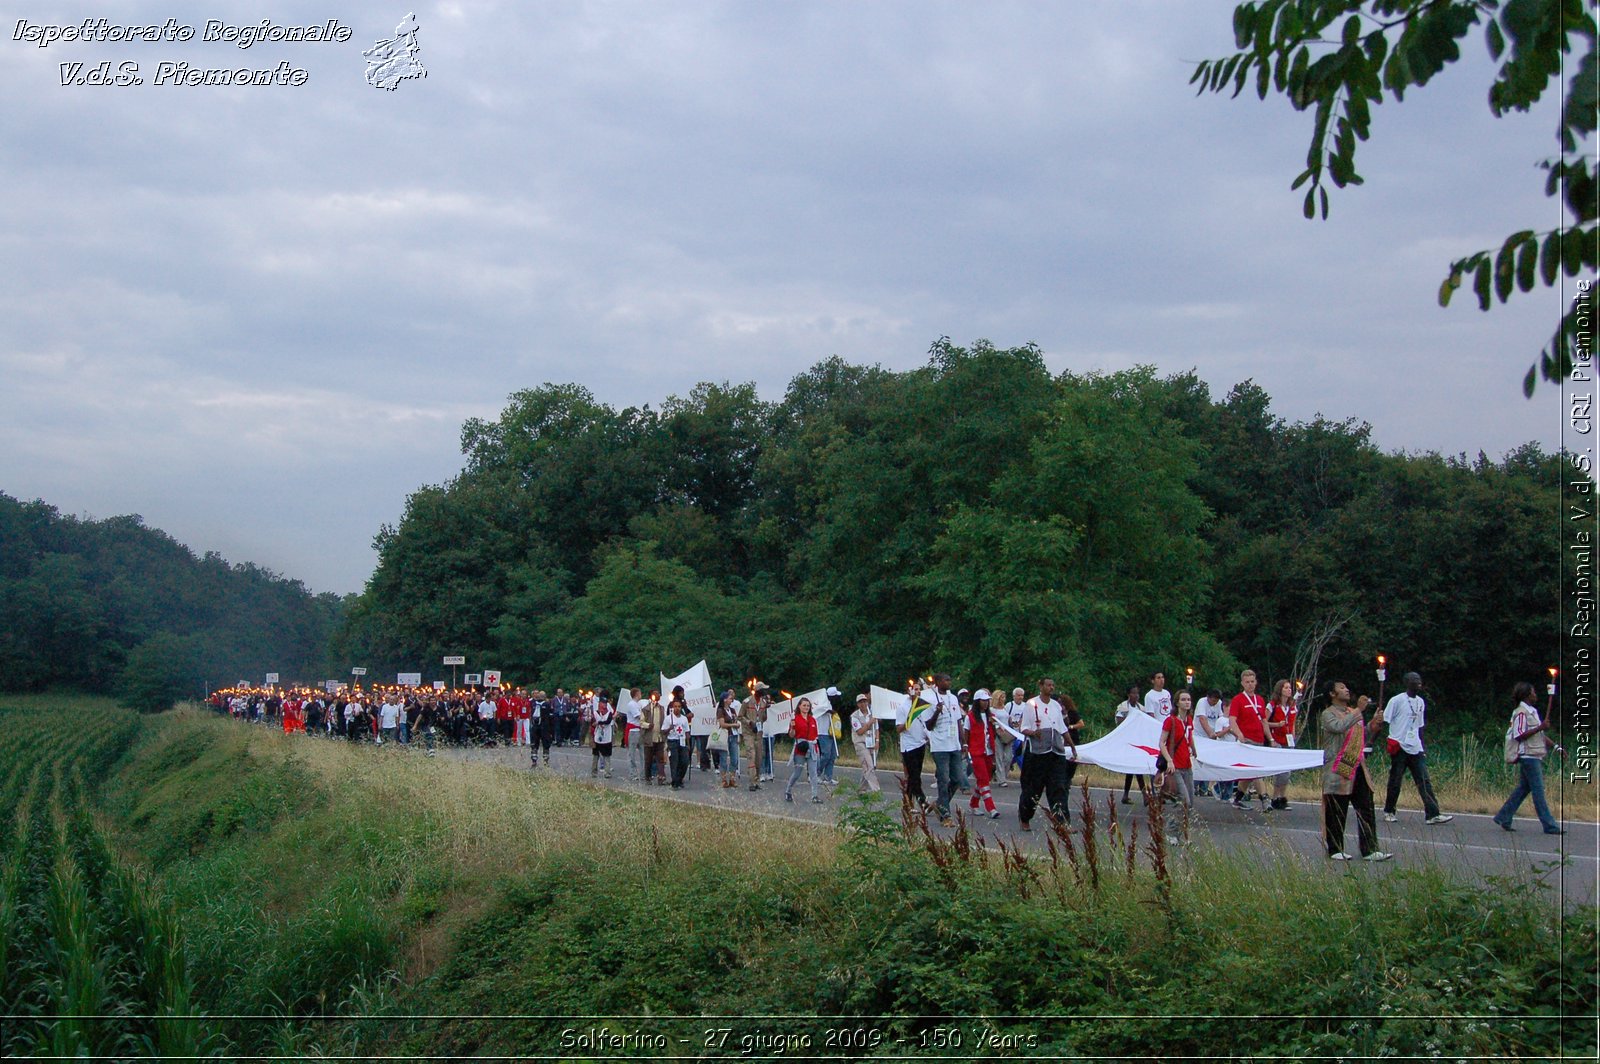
(827, 745)
(1527, 731)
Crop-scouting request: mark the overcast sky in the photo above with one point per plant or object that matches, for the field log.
(258, 315)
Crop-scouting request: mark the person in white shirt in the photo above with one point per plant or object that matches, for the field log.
(676, 730)
(1527, 733)
(944, 724)
(630, 731)
(1158, 700)
(1211, 717)
(602, 723)
(1045, 767)
(913, 742)
(1132, 704)
(388, 719)
(1012, 714)
(486, 710)
(864, 734)
(1405, 715)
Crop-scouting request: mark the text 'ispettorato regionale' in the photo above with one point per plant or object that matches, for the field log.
(171, 31)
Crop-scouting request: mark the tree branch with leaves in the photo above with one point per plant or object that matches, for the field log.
(1338, 58)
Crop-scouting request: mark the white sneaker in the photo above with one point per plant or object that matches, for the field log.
(1390, 818)
(1340, 856)
(1377, 855)
(1442, 818)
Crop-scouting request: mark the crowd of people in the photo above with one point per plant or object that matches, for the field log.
(978, 740)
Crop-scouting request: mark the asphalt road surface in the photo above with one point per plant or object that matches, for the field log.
(1471, 844)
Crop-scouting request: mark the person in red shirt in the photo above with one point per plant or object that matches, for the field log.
(803, 729)
(1177, 743)
(522, 713)
(1249, 712)
(1280, 732)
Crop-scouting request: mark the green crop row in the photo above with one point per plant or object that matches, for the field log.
(91, 960)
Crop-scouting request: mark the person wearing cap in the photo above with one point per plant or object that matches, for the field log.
(652, 723)
(981, 746)
(1013, 715)
(753, 716)
(864, 733)
(828, 739)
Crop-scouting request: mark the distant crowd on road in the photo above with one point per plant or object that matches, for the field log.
(977, 739)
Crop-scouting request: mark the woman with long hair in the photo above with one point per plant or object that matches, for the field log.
(803, 730)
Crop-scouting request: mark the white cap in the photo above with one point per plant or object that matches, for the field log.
(982, 695)
(833, 692)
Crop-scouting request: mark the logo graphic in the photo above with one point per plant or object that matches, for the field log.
(392, 61)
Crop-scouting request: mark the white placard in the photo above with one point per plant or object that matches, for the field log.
(702, 702)
(332, 686)
(358, 671)
(455, 659)
(472, 678)
(272, 677)
(438, 685)
(886, 703)
(408, 679)
(696, 676)
(491, 677)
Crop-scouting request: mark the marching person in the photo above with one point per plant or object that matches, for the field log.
(1131, 705)
(652, 719)
(1527, 731)
(1249, 712)
(803, 730)
(981, 746)
(1279, 724)
(1344, 779)
(753, 716)
(1013, 712)
(1406, 716)
(908, 724)
(676, 730)
(1177, 742)
(828, 729)
(630, 711)
(864, 732)
(1045, 766)
(943, 724)
(728, 721)
(544, 723)
(602, 725)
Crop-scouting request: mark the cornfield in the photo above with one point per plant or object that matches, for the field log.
(91, 961)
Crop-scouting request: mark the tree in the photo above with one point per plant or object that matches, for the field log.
(159, 672)
(1292, 47)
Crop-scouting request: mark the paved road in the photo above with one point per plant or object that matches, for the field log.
(1471, 843)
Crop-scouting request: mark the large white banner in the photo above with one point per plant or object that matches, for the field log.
(1132, 747)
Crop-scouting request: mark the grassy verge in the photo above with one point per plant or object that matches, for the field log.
(373, 888)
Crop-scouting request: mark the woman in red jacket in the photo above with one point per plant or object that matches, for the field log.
(803, 730)
(981, 747)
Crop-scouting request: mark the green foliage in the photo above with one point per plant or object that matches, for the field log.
(78, 596)
(159, 671)
(976, 515)
(1338, 58)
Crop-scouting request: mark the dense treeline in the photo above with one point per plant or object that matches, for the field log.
(978, 514)
(112, 605)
